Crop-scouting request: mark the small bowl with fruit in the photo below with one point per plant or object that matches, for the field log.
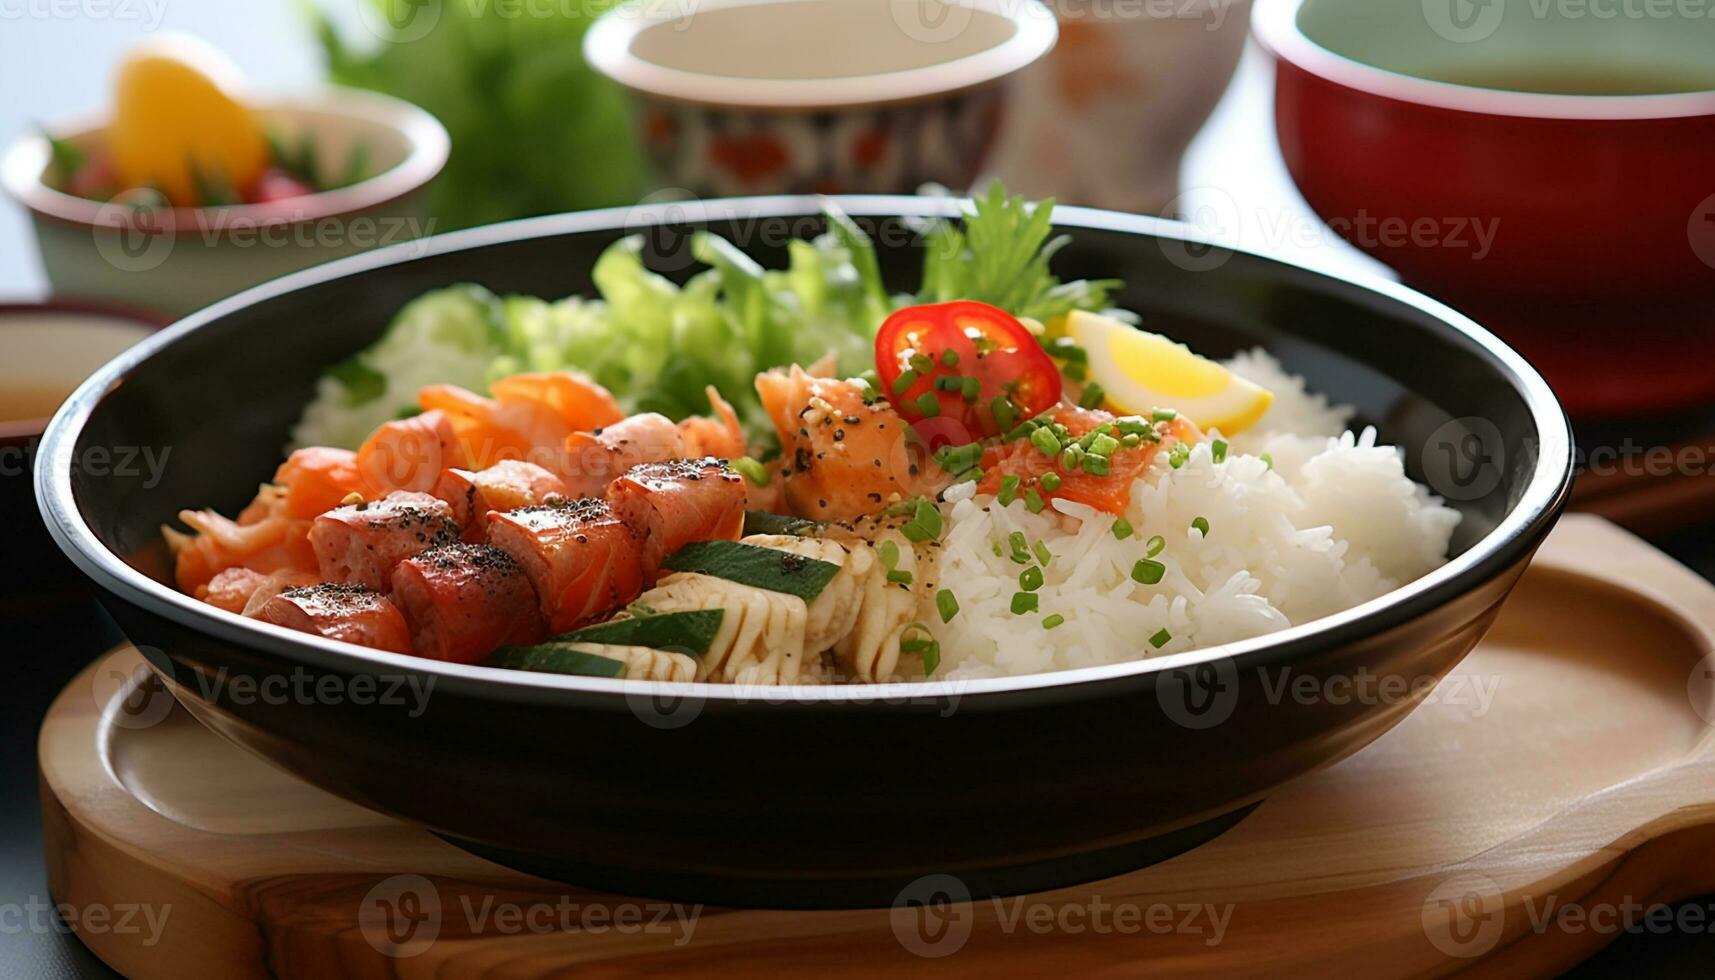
(191, 191)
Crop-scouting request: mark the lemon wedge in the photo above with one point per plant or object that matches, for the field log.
(178, 122)
(1140, 372)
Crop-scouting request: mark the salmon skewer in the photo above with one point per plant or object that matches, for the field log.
(582, 559)
(507, 485)
(350, 613)
(463, 600)
(674, 503)
(239, 589)
(359, 544)
(409, 454)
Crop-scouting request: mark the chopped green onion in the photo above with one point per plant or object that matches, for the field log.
(903, 383)
(996, 546)
(1092, 396)
(1030, 579)
(921, 363)
(1074, 370)
(900, 576)
(1008, 490)
(1267, 460)
(950, 382)
(1122, 528)
(1067, 349)
(1023, 602)
(888, 552)
(1148, 571)
(1005, 413)
(950, 357)
(1130, 439)
(1050, 481)
(947, 604)
(1072, 458)
(928, 646)
(751, 470)
(1043, 555)
(1020, 550)
(1160, 639)
(1104, 445)
(1131, 425)
(1153, 546)
(931, 657)
(1096, 465)
(1201, 524)
(1163, 415)
(1218, 450)
(928, 405)
(958, 459)
(1033, 501)
(1177, 456)
(925, 524)
(1044, 440)
(970, 388)
(1049, 622)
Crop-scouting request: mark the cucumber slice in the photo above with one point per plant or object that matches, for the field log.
(756, 566)
(681, 632)
(557, 658)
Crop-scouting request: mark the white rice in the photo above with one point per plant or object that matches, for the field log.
(1333, 523)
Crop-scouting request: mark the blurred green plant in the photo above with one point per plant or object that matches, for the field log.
(534, 129)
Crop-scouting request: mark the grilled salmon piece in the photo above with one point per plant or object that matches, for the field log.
(463, 600)
(359, 544)
(241, 590)
(674, 503)
(350, 613)
(409, 454)
(507, 485)
(582, 559)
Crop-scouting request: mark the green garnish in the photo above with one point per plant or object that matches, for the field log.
(1177, 456)
(959, 459)
(903, 383)
(1153, 546)
(1023, 602)
(691, 631)
(557, 658)
(947, 604)
(1033, 501)
(970, 389)
(950, 357)
(928, 405)
(1020, 548)
(752, 470)
(1148, 572)
(1008, 490)
(1160, 639)
(1050, 481)
(1067, 349)
(1096, 465)
(1122, 528)
(1005, 413)
(763, 522)
(950, 382)
(362, 383)
(1030, 579)
(921, 363)
(925, 524)
(753, 565)
(1049, 622)
(1163, 415)
(888, 552)
(1267, 460)
(1092, 396)
(1218, 450)
(900, 576)
(1104, 445)
(1044, 440)
(1043, 555)
(928, 646)
(1201, 524)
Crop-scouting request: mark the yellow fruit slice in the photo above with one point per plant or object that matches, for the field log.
(175, 117)
(1140, 372)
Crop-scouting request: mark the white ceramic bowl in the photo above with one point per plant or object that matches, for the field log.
(180, 259)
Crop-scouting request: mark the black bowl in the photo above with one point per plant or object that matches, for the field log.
(812, 797)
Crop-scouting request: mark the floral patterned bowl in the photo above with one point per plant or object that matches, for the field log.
(818, 96)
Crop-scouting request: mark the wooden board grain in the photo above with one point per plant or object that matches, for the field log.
(1552, 791)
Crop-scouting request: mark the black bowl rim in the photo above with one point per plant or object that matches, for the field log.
(1510, 541)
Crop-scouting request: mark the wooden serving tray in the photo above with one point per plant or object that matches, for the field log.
(1552, 790)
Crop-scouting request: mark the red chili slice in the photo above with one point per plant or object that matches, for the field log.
(943, 365)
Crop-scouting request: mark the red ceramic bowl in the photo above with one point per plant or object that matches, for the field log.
(1461, 144)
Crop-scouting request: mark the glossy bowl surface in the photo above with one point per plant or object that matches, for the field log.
(812, 796)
